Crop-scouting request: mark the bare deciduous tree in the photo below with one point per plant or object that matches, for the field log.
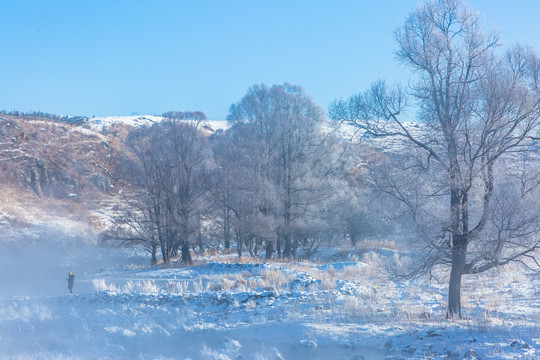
(172, 171)
(479, 112)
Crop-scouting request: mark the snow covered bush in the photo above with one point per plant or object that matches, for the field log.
(144, 287)
(351, 305)
(231, 282)
(374, 266)
(141, 286)
(101, 285)
(273, 278)
(351, 272)
(177, 287)
(327, 284)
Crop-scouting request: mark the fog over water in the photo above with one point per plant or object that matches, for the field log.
(38, 265)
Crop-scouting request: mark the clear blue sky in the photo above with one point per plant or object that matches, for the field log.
(112, 57)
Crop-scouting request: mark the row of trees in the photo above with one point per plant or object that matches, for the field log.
(44, 115)
(274, 180)
(185, 115)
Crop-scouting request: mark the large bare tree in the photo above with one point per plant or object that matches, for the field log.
(478, 108)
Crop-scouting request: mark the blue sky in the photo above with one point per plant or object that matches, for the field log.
(118, 57)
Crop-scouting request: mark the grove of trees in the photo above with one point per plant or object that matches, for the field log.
(270, 182)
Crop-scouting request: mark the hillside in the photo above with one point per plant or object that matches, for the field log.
(55, 173)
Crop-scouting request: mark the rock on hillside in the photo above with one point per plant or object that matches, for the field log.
(56, 160)
(51, 172)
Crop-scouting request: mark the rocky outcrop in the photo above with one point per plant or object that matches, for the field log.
(56, 160)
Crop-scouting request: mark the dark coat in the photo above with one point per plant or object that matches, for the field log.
(70, 280)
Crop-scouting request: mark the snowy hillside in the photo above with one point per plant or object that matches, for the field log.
(348, 130)
(105, 122)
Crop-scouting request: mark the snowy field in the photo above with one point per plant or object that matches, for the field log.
(347, 308)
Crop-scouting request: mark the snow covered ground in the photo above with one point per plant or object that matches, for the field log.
(223, 309)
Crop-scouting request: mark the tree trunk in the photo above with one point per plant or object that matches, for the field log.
(352, 235)
(269, 250)
(249, 245)
(174, 248)
(256, 245)
(295, 245)
(353, 239)
(186, 254)
(162, 242)
(459, 242)
(200, 241)
(164, 252)
(226, 229)
(154, 254)
(287, 250)
(454, 287)
(239, 244)
(287, 246)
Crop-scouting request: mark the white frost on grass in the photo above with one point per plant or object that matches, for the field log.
(116, 329)
(139, 286)
(224, 310)
(25, 312)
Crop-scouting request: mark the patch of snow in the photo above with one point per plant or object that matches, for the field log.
(100, 124)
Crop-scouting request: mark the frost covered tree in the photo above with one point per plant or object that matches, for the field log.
(247, 199)
(467, 178)
(289, 158)
(192, 176)
(172, 170)
(223, 192)
(142, 218)
(352, 214)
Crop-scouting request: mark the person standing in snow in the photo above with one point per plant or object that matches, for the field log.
(70, 280)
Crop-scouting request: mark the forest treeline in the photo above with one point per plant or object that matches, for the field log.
(276, 181)
(44, 115)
